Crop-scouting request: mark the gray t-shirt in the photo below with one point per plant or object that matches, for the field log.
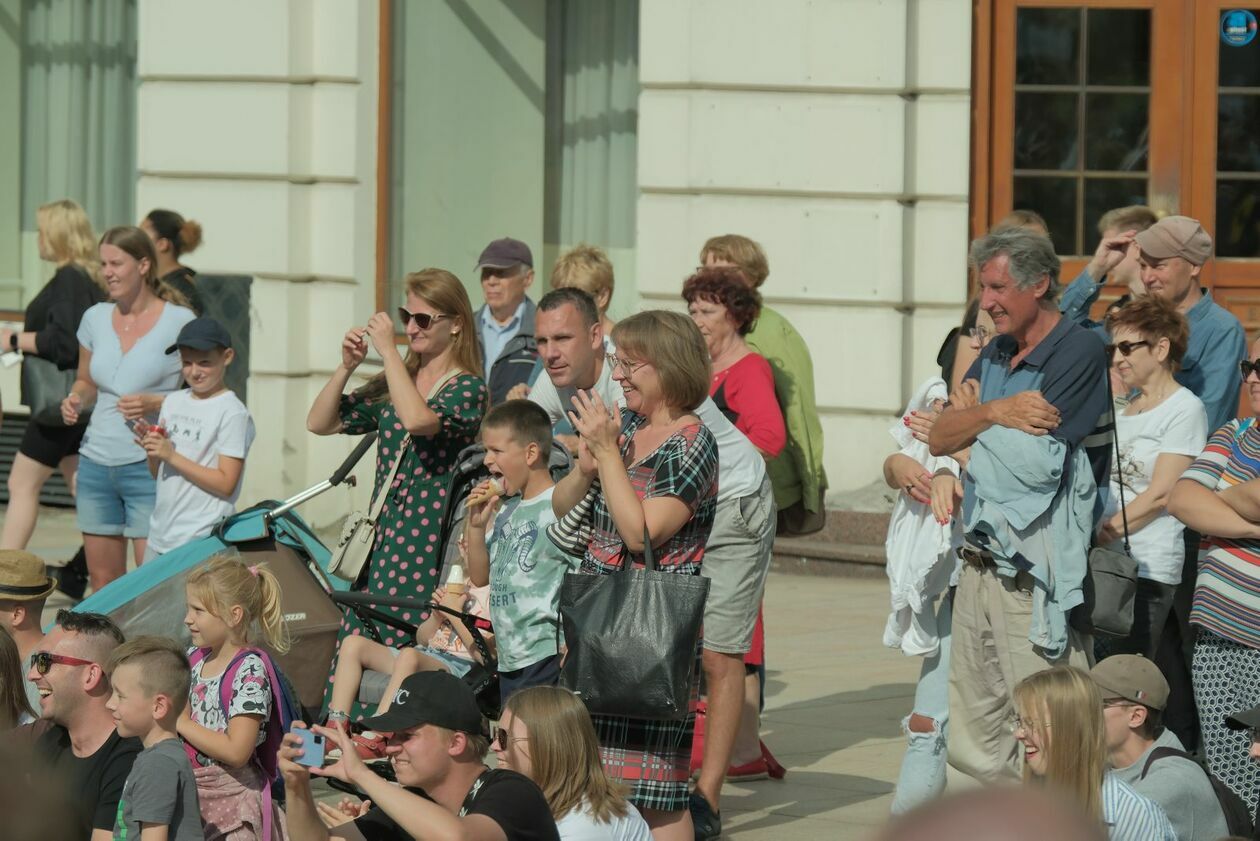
(145, 369)
(1183, 790)
(161, 790)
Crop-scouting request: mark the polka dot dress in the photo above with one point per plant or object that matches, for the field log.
(407, 556)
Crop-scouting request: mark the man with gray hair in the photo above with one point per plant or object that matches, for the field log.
(1024, 423)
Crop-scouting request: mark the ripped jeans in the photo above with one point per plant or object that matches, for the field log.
(922, 775)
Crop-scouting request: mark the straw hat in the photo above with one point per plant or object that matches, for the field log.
(23, 576)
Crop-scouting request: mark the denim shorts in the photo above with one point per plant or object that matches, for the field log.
(115, 500)
(457, 666)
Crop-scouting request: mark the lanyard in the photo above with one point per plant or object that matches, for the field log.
(472, 793)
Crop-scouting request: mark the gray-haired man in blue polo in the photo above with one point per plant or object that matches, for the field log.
(1029, 424)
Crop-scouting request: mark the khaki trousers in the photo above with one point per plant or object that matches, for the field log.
(990, 654)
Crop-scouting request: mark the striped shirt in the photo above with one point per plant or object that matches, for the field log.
(1227, 592)
(1131, 817)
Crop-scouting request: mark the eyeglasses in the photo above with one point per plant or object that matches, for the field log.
(423, 320)
(1248, 368)
(502, 739)
(627, 367)
(1028, 725)
(1117, 702)
(42, 661)
(1125, 348)
(979, 334)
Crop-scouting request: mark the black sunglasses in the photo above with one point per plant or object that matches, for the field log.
(1248, 368)
(1125, 348)
(502, 739)
(42, 661)
(423, 320)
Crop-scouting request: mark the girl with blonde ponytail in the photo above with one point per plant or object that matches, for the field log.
(230, 604)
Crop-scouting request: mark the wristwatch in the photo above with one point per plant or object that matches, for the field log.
(13, 340)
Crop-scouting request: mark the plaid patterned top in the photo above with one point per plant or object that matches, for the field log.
(1227, 591)
(684, 466)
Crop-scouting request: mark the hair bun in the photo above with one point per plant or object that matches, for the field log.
(189, 236)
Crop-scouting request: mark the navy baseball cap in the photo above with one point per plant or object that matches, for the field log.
(202, 334)
(504, 254)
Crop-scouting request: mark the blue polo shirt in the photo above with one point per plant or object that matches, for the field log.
(1069, 368)
(1210, 367)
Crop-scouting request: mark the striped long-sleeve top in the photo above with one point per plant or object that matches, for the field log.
(1227, 592)
(1131, 817)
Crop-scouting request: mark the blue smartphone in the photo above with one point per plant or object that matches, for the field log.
(312, 747)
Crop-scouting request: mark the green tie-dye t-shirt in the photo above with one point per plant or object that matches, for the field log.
(526, 570)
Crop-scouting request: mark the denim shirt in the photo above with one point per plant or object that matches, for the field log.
(1033, 509)
(1210, 366)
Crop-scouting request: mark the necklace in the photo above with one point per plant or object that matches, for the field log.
(1150, 401)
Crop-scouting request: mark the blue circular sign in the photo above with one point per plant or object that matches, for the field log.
(1238, 27)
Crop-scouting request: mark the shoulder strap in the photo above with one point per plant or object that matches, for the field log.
(1160, 753)
(378, 502)
(1115, 438)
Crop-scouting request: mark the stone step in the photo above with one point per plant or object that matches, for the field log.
(817, 557)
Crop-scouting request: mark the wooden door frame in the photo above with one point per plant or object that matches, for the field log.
(1231, 272)
(993, 106)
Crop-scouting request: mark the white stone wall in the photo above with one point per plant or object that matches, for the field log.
(836, 133)
(258, 118)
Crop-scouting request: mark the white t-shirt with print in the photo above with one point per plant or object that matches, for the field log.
(201, 430)
(580, 825)
(1177, 426)
(250, 695)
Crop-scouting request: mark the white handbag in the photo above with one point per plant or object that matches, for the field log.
(358, 536)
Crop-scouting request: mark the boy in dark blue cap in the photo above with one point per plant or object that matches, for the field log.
(197, 450)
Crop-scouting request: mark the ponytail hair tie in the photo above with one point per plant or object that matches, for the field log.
(253, 570)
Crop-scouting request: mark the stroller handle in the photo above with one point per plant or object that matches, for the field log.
(340, 474)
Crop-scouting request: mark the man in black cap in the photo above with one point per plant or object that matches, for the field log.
(438, 741)
(505, 324)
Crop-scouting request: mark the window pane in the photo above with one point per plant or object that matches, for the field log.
(1238, 133)
(1047, 47)
(1237, 218)
(1118, 51)
(1240, 66)
(1103, 194)
(1055, 199)
(1045, 130)
(1116, 131)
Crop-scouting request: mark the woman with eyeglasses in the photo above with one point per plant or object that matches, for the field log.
(1059, 722)
(546, 734)
(1161, 430)
(426, 407)
(1219, 496)
(657, 465)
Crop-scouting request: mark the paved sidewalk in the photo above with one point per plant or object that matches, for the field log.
(834, 704)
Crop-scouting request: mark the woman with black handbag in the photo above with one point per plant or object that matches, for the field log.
(657, 467)
(51, 358)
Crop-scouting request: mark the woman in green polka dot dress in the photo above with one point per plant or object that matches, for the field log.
(443, 364)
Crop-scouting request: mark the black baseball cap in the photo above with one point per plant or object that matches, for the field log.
(504, 254)
(1245, 720)
(437, 698)
(202, 334)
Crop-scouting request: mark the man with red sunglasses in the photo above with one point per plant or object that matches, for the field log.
(82, 748)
